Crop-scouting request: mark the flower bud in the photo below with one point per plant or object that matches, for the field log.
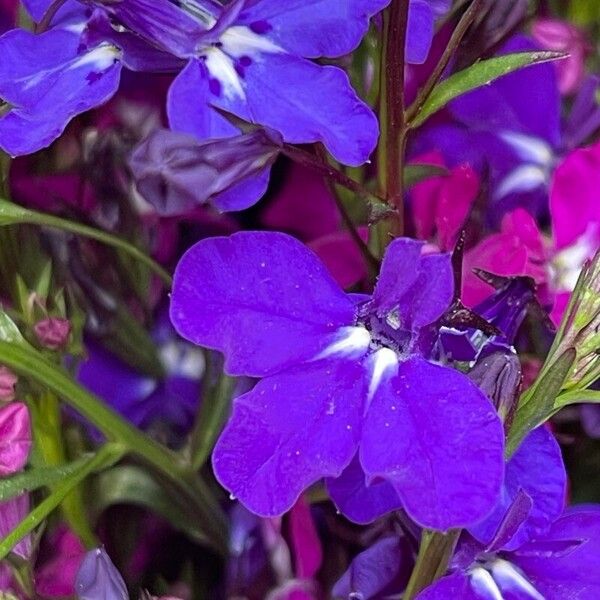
(175, 172)
(15, 438)
(98, 578)
(12, 512)
(53, 332)
(8, 381)
(499, 377)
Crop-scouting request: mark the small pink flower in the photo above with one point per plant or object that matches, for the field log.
(8, 381)
(15, 438)
(554, 34)
(53, 332)
(12, 512)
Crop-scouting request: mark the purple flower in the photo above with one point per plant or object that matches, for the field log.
(98, 578)
(175, 172)
(341, 375)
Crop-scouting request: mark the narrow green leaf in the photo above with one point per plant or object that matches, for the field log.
(34, 479)
(12, 214)
(106, 456)
(30, 363)
(9, 332)
(477, 75)
(537, 404)
(577, 397)
(128, 484)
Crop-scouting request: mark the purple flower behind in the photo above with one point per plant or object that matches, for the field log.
(98, 579)
(341, 375)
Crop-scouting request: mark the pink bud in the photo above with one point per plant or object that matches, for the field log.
(15, 438)
(53, 332)
(554, 34)
(8, 380)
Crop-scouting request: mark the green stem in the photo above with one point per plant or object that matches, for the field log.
(12, 214)
(435, 552)
(108, 455)
(169, 465)
(392, 141)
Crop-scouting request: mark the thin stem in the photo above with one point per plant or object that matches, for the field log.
(455, 39)
(393, 125)
(11, 214)
(435, 552)
(48, 16)
(306, 159)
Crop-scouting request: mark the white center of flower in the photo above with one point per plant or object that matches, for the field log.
(349, 341)
(381, 362)
(510, 578)
(567, 264)
(483, 583)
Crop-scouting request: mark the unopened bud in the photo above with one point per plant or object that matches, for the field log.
(8, 381)
(499, 377)
(53, 333)
(175, 172)
(98, 578)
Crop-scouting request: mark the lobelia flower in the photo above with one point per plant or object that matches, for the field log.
(532, 499)
(98, 578)
(342, 375)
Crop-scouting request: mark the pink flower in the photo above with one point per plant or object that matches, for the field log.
(8, 381)
(554, 34)
(15, 438)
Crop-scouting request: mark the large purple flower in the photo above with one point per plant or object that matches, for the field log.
(342, 374)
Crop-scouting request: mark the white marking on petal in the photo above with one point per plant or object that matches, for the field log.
(221, 67)
(181, 359)
(350, 341)
(523, 179)
(241, 41)
(508, 575)
(567, 263)
(102, 57)
(382, 361)
(484, 583)
(529, 148)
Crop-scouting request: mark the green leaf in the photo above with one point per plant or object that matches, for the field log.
(128, 484)
(107, 456)
(33, 479)
(176, 473)
(9, 332)
(477, 75)
(577, 397)
(12, 214)
(415, 173)
(538, 402)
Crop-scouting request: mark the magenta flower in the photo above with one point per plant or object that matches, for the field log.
(15, 438)
(342, 375)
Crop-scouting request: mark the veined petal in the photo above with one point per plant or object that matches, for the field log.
(291, 430)
(263, 299)
(434, 435)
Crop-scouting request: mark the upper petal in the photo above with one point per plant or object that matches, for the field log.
(262, 298)
(313, 28)
(291, 430)
(436, 437)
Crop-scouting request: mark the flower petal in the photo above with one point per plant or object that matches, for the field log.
(359, 502)
(291, 430)
(261, 298)
(306, 103)
(313, 28)
(435, 436)
(48, 82)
